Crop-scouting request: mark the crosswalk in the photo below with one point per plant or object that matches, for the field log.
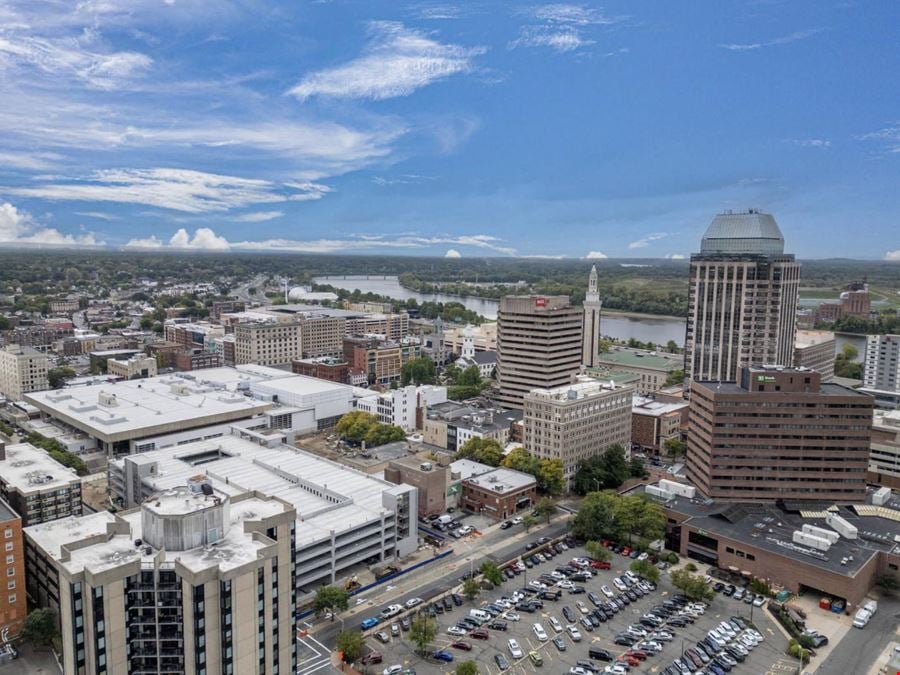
(312, 656)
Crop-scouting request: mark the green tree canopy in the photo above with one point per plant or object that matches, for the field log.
(606, 515)
(331, 598)
(528, 522)
(692, 585)
(675, 447)
(471, 589)
(597, 551)
(417, 371)
(422, 631)
(484, 450)
(646, 570)
(545, 508)
(57, 376)
(468, 667)
(604, 471)
(491, 572)
(547, 472)
(39, 628)
(675, 377)
(351, 643)
(358, 426)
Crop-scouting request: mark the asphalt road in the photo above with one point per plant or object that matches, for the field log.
(327, 634)
(859, 649)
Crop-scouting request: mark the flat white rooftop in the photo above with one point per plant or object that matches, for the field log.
(139, 408)
(502, 480)
(30, 469)
(647, 406)
(585, 388)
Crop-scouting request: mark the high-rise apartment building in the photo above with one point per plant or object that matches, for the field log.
(882, 364)
(577, 421)
(193, 581)
(22, 370)
(539, 345)
(742, 299)
(13, 605)
(590, 325)
(267, 343)
(779, 433)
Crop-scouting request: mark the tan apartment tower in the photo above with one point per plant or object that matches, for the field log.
(742, 298)
(779, 433)
(538, 345)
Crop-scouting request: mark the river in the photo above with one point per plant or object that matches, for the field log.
(619, 326)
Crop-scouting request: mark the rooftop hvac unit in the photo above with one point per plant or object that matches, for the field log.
(679, 489)
(881, 496)
(844, 528)
(830, 535)
(811, 540)
(655, 491)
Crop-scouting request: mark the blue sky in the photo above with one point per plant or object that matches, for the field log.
(442, 128)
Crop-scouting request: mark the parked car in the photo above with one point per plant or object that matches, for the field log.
(442, 655)
(501, 662)
(372, 657)
(462, 644)
(382, 637)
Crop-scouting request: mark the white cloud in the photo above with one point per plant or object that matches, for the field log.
(19, 227)
(204, 239)
(32, 161)
(99, 215)
(69, 56)
(397, 61)
(452, 253)
(892, 255)
(889, 135)
(437, 11)
(812, 142)
(149, 242)
(560, 26)
(675, 256)
(176, 189)
(259, 216)
(783, 40)
(596, 255)
(643, 242)
(544, 256)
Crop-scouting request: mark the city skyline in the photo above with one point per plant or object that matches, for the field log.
(447, 129)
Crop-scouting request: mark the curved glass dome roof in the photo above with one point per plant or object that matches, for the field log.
(747, 232)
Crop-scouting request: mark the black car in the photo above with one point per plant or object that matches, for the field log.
(678, 622)
(530, 546)
(594, 598)
(508, 573)
(624, 599)
(718, 587)
(526, 606)
(569, 614)
(631, 595)
(457, 599)
(588, 665)
(600, 615)
(600, 654)
(551, 594)
(501, 661)
(506, 524)
(497, 625)
(447, 602)
(576, 590)
(624, 640)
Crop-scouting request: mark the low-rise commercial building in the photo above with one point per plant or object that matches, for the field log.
(815, 349)
(344, 517)
(324, 368)
(499, 494)
(449, 425)
(653, 368)
(780, 433)
(135, 367)
(36, 486)
(404, 407)
(382, 360)
(13, 600)
(192, 581)
(22, 370)
(100, 357)
(653, 422)
(197, 359)
(428, 477)
(576, 422)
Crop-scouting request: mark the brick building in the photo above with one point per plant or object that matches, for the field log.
(196, 359)
(500, 493)
(653, 422)
(324, 368)
(382, 360)
(429, 478)
(164, 352)
(13, 605)
(779, 434)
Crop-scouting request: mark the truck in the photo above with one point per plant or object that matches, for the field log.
(862, 618)
(871, 606)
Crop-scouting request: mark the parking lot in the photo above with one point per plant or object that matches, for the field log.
(766, 656)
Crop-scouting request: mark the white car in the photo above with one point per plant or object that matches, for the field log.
(759, 601)
(574, 633)
(391, 610)
(457, 631)
(631, 575)
(393, 670)
(559, 576)
(615, 669)
(511, 616)
(515, 650)
(555, 624)
(565, 584)
(643, 556)
(466, 530)
(539, 632)
(607, 591)
(412, 602)
(517, 520)
(537, 585)
(582, 607)
(618, 583)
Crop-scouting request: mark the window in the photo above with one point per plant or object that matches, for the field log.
(8, 533)
(11, 585)
(10, 571)
(10, 559)
(12, 598)
(9, 546)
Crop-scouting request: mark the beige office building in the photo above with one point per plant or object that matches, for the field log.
(267, 343)
(132, 368)
(815, 349)
(22, 369)
(538, 345)
(742, 299)
(322, 336)
(194, 581)
(576, 422)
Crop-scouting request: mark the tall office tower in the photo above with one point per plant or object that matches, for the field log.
(779, 433)
(590, 324)
(742, 298)
(882, 364)
(194, 581)
(538, 345)
(22, 370)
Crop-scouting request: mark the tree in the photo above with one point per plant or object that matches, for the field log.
(675, 447)
(889, 584)
(797, 651)
(422, 631)
(358, 426)
(528, 522)
(675, 377)
(636, 468)
(760, 587)
(40, 628)
(57, 376)
(417, 371)
(331, 598)
(600, 472)
(597, 551)
(484, 450)
(595, 518)
(692, 585)
(470, 377)
(646, 570)
(491, 572)
(545, 508)
(550, 476)
(350, 643)
(672, 347)
(845, 364)
(471, 589)
(468, 667)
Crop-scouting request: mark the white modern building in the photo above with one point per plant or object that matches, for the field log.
(401, 407)
(882, 364)
(344, 517)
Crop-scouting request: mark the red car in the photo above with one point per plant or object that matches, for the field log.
(479, 634)
(601, 565)
(626, 551)
(462, 644)
(372, 657)
(630, 660)
(637, 653)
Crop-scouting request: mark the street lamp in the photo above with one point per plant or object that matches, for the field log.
(596, 484)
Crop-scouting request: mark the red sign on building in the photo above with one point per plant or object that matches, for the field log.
(540, 302)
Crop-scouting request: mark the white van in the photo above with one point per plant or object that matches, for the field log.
(539, 632)
(479, 615)
(862, 618)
